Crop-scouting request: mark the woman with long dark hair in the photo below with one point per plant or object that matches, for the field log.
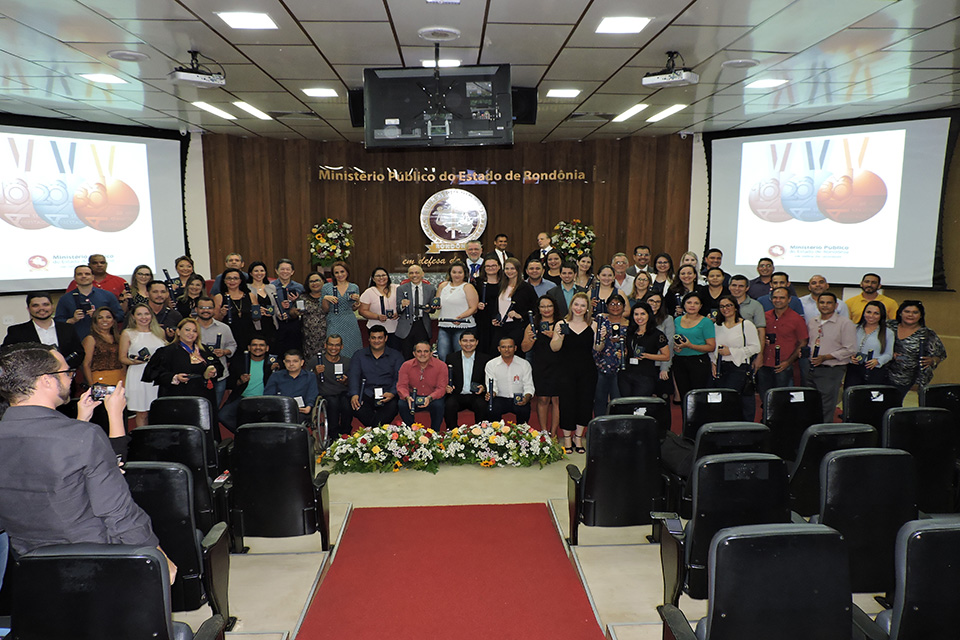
(378, 304)
(712, 293)
(545, 363)
(585, 276)
(101, 350)
(664, 322)
(685, 283)
(235, 305)
(266, 299)
(515, 301)
(142, 275)
(313, 320)
(458, 304)
(488, 285)
(917, 350)
(551, 270)
(187, 302)
(695, 338)
(340, 299)
(730, 362)
(604, 286)
(663, 270)
(875, 343)
(646, 349)
(609, 352)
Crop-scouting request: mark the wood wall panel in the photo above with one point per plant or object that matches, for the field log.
(264, 194)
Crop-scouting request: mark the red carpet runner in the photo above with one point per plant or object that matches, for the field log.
(490, 571)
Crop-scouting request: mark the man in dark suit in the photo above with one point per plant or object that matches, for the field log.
(500, 253)
(248, 377)
(473, 261)
(543, 248)
(465, 394)
(414, 304)
(44, 329)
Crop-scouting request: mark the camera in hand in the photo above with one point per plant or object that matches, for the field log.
(100, 391)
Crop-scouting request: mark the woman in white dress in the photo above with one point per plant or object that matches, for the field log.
(142, 332)
(458, 302)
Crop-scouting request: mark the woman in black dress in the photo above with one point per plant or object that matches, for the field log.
(573, 339)
(184, 367)
(235, 306)
(187, 303)
(646, 348)
(488, 286)
(267, 300)
(515, 301)
(545, 363)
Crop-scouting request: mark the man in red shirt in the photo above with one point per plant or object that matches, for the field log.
(421, 385)
(103, 280)
(786, 335)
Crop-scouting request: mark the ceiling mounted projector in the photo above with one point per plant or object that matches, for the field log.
(198, 75)
(670, 76)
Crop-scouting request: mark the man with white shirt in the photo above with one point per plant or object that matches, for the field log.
(474, 261)
(44, 329)
(414, 304)
(467, 385)
(817, 285)
(500, 253)
(218, 337)
(535, 277)
(512, 383)
(641, 261)
(622, 281)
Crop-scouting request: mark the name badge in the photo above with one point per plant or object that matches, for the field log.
(338, 369)
(634, 360)
(377, 393)
(299, 400)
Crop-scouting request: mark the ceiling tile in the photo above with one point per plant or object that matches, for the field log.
(409, 17)
(271, 101)
(287, 31)
(526, 75)
(587, 64)
(65, 20)
(355, 10)
(544, 12)
(729, 13)
(523, 43)
(943, 38)
(290, 62)
(414, 56)
(176, 37)
(912, 14)
(355, 42)
(662, 12)
(695, 45)
(126, 10)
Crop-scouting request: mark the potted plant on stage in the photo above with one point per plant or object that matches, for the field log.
(331, 240)
(573, 239)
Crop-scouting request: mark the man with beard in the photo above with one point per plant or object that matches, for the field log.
(870, 290)
(59, 479)
(43, 329)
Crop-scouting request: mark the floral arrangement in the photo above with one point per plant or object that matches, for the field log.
(330, 241)
(573, 238)
(489, 444)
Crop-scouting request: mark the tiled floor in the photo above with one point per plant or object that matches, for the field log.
(270, 586)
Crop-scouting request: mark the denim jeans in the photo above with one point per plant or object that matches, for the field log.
(448, 341)
(607, 387)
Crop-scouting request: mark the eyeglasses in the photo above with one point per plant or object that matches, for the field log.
(726, 306)
(72, 372)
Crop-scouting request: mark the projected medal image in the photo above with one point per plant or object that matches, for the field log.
(799, 193)
(764, 195)
(53, 193)
(16, 204)
(107, 204)
(853, 197)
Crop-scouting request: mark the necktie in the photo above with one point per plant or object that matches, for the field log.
(416, 301)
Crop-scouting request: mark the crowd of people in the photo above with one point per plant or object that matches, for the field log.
(495, 336)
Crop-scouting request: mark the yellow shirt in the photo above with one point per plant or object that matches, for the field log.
(857, 303)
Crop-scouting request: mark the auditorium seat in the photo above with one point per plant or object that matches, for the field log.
(644, 406)
(866, 403)
(772, 581)
(714, 438)
(944, 396)
(926, 597)
(817, 441)
(274, 492)
(620, 482)
(729, 489)
(867, 494)
(196, 412)
(788, 411)
(268, 409)
(701, 406)
(927, 433)
(98, 591)
(163, 490)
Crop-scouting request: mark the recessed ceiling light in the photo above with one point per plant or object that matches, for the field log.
(247, 20)
(443, 62)
(212, 109)
(252, 110)
(740, 63)
(768, 83)
(443, 1)
(103, 78)
(669, 111)
(127, 56)
(563, 93)
(629, 113)
(622, 24)
(320, 92)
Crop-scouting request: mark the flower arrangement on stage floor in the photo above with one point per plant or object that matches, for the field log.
(330, 241)
(573, 238)
(489, 444)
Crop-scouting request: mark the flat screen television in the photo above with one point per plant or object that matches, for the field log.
(452, 107)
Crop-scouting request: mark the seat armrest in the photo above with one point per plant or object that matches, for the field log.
(320, 480)
(672, 556)
(212, 629)
(864, 628)
(675, 624)
(671, 522)
(216, 571)
(574, 473)
(796, 518)
(217, 532)
(574, 503)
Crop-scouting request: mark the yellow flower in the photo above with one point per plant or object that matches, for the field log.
(375, 449)
(330, 220)
(319, 236)
(416, 425)
(397, 466)
(492, 439)
(495, 425)
(455, 432)
(488, 463)
(442, 448)
(534, 433)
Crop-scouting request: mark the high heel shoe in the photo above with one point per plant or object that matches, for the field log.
(567, 445)
(578, 444)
